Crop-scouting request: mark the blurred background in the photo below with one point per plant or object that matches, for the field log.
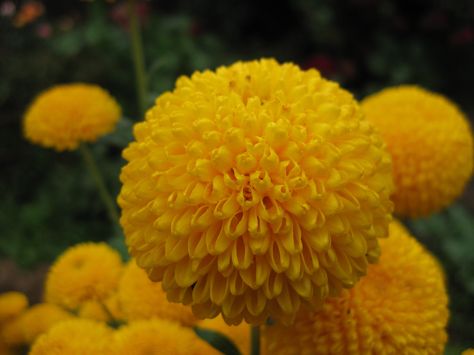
(48, 201)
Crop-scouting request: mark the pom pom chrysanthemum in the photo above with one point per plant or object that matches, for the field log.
(400, 307)
(83, 273)
(66, 115)
(431, 146)
(141, 298)
(12, 304)
(159, 336)
(253, 189)
(74, 337)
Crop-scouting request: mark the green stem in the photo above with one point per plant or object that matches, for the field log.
(99, 181)
(254, 340)
(138, 58)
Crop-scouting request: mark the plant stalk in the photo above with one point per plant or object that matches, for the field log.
(255, 340)
(137, 56)
(99, 181)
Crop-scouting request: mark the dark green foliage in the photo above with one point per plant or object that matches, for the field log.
(218, 341)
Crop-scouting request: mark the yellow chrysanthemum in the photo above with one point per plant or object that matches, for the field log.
(141, 298)
(238, 334)
(11, 333)
(74, 337)
(254, 189)
(12, 304)
(159, 336)
(103, 311)
(400, 307)
(468, 352)
(431, 146)
(88, 271)
(39, 319)
(66, 115)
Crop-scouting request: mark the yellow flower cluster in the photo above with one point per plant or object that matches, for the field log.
(85, 272)
(66, 115)
(431, 145)
(254, 189)
(400, 307)
(141, 298)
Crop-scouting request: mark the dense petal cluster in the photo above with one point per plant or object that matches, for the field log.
(75, 337)
(400, 307)
(141, 298)
(12, 304)
(39, 319)
(66, 115)
(238, 334)
(158, 336)
(431, 145)
(254, 189)
(88, 271)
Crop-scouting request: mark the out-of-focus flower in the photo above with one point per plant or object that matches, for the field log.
(7, 8)
(39, 319)
(44, 30)
(104, 311)
(11, 333)
(431, 146)
(468, 352)
(159, 336)
(28, 13)
(463, 36)
(66, 115)
(141, 298)
(400, 307)
(88, 271)
(238, 334)
(75, 337)
(324, 63)
(119, 13)
(12, 304)
(255, 189)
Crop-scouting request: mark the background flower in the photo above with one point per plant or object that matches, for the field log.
(400, 307)
(88, 271)
(431, 145)
(66, 115)
(254, 189)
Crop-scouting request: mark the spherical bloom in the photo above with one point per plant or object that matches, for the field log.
(468, 352)
(39, 319)
(254, 189)
(159, 336)
(12, 304)
(88, 271)
(400, 307)
(74, 337)
(66, 115)
(141, 298)
(238, 334)
(431, 146)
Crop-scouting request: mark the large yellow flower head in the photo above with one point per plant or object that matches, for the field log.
(468, 352)
(159, 336)
(39, 319)
(431, 146)
(253, 189)
(141, 298)
(238, 334)
(66, 115)
(400, 307)
(12, 304)
(88, 271)
(75, 337)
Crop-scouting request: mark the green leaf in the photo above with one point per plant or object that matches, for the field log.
(218, 341)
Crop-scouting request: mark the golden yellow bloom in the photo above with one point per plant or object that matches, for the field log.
(66, 115)
(12, 304)
(88, 271)
(431, 146)
(74, 337)
(11, 333)
(254, 189)
(39, 319)
(468, 352)
(400, 307)
(238, 334)
(141, 298)
(159, 336)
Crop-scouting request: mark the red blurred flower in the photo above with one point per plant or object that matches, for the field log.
(325, 64)
(29, 12)
(463, 36)
(119, 13)
(44, 30)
